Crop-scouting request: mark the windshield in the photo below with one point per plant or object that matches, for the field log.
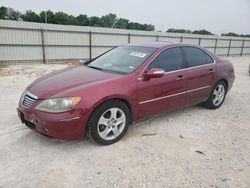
(123, 59)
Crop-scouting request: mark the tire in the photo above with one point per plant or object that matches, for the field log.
(217, 96)
(109, 122)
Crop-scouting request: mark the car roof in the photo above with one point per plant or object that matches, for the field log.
(162, 45)
(158, 45)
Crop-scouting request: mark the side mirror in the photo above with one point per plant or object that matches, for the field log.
(153, 73)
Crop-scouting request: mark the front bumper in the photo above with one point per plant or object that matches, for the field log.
(66, 126)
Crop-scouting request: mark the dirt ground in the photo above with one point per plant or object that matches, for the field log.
(193, 147)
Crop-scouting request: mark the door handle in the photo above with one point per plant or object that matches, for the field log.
(180, 77)
(211, 71)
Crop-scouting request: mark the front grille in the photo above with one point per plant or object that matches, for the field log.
(28, 100)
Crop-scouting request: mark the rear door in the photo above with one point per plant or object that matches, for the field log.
(167, 93)
(200, 74)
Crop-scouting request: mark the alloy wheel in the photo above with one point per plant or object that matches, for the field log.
(218, 94)
(111, 123)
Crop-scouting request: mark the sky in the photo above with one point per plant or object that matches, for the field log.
(217, 16)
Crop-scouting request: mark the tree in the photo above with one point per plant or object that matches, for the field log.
(82, 20)
(50, 17)
(12, 14)
(30, 16)
(3, 12)
(71, 20)
(61, 18)
(230, 34)
(108, 20)
(131, 25)
(121, 23)
(202, 32)
(138, 26)
(95, 21)
(172, 30)
(148, 27)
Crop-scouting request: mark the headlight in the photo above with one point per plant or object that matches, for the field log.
(58, 105)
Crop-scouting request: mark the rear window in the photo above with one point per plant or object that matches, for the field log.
(196, 57)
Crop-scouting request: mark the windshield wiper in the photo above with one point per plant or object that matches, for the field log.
(95, 67)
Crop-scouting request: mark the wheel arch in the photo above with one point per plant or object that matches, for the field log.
(121, 99)
(226, 83)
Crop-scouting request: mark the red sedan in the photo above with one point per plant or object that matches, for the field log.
(123, 85)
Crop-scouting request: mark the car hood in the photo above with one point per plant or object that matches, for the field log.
(60, 81)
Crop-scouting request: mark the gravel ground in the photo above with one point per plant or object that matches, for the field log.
(193, 147)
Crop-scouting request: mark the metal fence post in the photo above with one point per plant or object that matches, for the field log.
(229, 47)
(157, 37)
(43, 46)
(215, 47)
(181, 39)
(129, 38)
(90, 45)
(242, 47)
(199, 41)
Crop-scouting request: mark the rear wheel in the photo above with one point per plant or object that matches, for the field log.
(109, 122)
(217, 96)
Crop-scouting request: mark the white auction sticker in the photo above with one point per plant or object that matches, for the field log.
(138, 54)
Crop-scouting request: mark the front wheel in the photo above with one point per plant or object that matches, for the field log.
(109, 122)
(217, 96)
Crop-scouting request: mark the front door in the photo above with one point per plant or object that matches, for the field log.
(168, 92)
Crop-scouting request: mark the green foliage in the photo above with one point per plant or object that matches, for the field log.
(50, 17)
(232, 34)
(30, 16)
(149, 27)
(13, 15)
(137, 26)
(172, 30)
(109, 20)
(121, 23)
(202, 32)
(9, 14)
(82, 20)
(3, 12)
(62, 18)
(95, 21)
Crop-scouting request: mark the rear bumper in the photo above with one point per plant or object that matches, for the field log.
(65, 126)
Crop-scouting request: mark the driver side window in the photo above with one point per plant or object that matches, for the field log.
(169, 60)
